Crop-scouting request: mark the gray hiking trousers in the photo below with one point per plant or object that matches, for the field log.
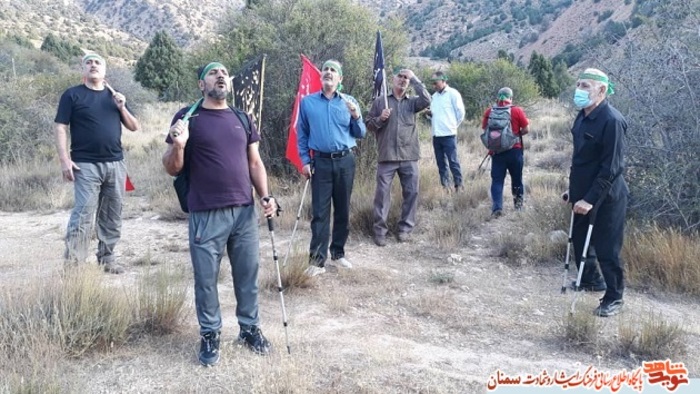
(236, 229)
(99, 190)
(409, 178)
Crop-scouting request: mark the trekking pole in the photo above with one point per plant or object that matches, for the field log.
(568, 253)
(296, 223)
(478, 170)
(271, 227)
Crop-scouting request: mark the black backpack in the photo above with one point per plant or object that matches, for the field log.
(498, 135)
(182, 180)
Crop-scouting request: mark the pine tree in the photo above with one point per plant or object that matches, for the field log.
(541, 69)
(160, 67)
(562, 78)
(63, 50)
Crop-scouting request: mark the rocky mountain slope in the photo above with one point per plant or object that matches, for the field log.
(464, 29)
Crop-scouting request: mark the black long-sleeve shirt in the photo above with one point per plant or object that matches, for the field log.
(598, 160)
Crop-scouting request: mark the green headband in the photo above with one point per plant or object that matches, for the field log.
(93, 56)
(334, 65)
(504, 97)
(209, 67)
(599, 78)
(440, 78)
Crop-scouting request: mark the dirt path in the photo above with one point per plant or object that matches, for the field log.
(407, 318)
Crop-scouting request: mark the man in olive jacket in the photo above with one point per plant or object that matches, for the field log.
(393, 120)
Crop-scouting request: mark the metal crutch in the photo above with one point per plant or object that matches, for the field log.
(584, 256)
(568, 253)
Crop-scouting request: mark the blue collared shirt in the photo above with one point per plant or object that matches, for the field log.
(326, 125)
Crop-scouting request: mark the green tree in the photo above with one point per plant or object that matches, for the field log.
(479, 82)
(562, 77)
(502, 54)
(541, 69)
(160, 67)
(320, 30)
(62, 49)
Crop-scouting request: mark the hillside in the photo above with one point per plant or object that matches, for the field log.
(122, 28)
(464, 29)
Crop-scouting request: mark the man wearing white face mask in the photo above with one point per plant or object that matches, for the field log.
(596, 183)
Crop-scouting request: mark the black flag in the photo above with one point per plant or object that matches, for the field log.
(378, 75)
(248, 89)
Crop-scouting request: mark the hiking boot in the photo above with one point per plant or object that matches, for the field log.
(313, 270)
(590, 286)
(379, 240)
(254, 340)
(342, 262)
(459, 188)
(209, 349)
(112, 268)
(403, 237)
(496, 214)
(518, 203)
(608, 307)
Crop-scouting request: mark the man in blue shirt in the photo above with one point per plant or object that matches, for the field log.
(329, 122)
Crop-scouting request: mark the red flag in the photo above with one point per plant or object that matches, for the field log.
(310, 82)
(129, 186)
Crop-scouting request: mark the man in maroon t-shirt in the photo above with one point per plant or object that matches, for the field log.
(224, 165)
(510, 160)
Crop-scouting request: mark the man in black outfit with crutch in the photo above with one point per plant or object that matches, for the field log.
(596, 183)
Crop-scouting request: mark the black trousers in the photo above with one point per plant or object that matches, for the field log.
(606, 238)
(331, 183)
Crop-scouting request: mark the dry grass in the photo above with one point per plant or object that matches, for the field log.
(84, 314)
(292, 274)
(34, 185)
(663, 258)
(362, 207)
(161, 300)
(147, 259)
(581, 329)
(534, 240)
(659, 339)
(512, 249)
(441, 276)
(75, 314)
(651, 337)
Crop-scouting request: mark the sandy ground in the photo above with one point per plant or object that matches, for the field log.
(387, 325)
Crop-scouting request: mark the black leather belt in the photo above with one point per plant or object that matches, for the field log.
(332, 155)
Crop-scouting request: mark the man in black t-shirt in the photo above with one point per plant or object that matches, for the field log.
(95, 163)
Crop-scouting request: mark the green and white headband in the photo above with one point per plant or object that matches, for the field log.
(93, 56)
(599, 78)
(208, 68)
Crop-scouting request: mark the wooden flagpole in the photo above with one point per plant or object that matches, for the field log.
(386, 99)
(262, 83)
